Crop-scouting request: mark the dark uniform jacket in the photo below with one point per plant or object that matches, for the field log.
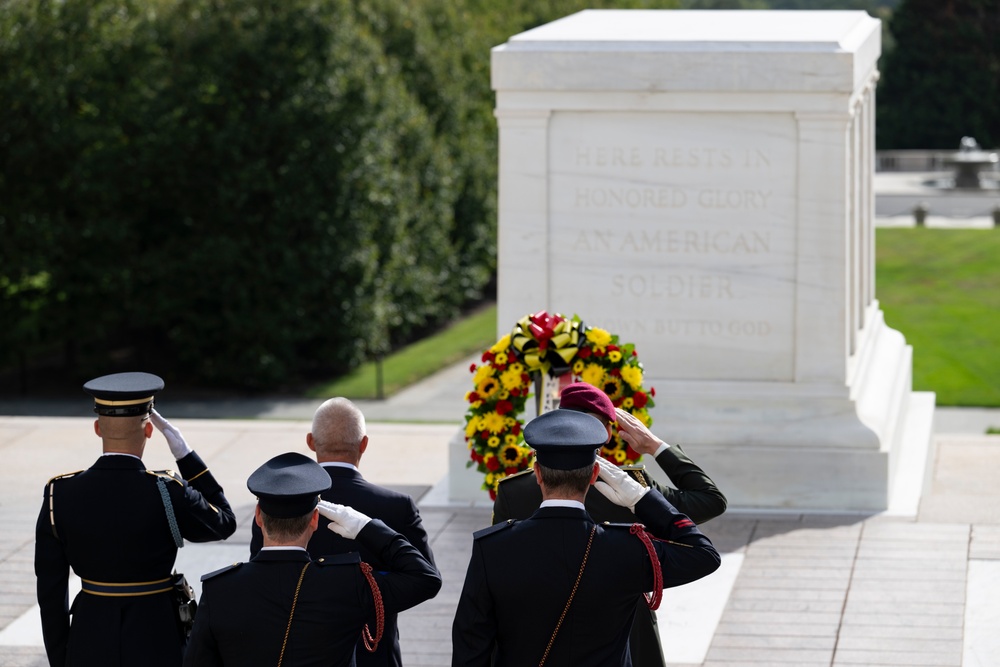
(521, 574)
(696, 495)
(245, 609)
(108, 523)
(396, 510)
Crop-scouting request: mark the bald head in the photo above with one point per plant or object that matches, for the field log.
(338, 432)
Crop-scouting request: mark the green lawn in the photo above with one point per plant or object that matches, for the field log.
(468, 336)
(941, 289)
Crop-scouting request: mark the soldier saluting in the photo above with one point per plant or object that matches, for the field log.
(118, 526)
(557, 588)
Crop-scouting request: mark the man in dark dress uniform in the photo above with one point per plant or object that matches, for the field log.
(339, 438)
(557, 587)
(695, 495)
(111, 525)
(284, 607)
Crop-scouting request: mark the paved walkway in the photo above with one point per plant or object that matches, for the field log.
(798, 590)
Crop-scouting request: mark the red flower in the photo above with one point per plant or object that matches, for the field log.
(493, 464)
(583, 353)
(516, 430)
(488, 356)
(493, 494)
(634, 353)
(515, 392)
(512, 470)
(485, 435)
(473, 397)
(617, 402)
(600, 353)
(639, 399)
(503, 407)
(472, 368)
(612, 348)
(615, 371)
(631, 453)
(652, 391)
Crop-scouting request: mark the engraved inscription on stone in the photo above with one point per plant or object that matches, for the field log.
(677, 232)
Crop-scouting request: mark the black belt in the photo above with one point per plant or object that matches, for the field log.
(127, 589)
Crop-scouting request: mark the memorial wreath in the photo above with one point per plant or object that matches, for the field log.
(542, 347)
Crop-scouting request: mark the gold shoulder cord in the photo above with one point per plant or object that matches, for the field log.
(52, 507)
(288, 628)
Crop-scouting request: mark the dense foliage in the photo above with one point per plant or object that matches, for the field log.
(940, 82)
(249, 193)
(244, 193)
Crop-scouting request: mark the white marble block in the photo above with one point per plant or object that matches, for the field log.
(699, 182)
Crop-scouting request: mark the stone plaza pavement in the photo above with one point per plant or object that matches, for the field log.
(795, 589)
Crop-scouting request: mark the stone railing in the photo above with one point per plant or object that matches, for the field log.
(915, 160)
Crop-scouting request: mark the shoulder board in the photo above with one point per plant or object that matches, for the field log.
(492, 529)
(608, 524)
(637, 471)
(66, 475)
(169, 475)
(223, 570)
(516, 475)
(352, 557)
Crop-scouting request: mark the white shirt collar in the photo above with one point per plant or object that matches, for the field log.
(338, 464)
(121, 454)
(289, 548)
(563, 503)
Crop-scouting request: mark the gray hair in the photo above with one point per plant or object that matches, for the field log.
(338, 426)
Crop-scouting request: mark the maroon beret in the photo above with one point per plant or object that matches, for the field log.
(584, 397)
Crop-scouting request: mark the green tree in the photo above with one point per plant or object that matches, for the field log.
(939, 83)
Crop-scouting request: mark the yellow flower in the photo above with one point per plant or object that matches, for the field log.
(516, 366)
(577, 366)
(592, 374)
(492, 422)
(510, 378)
(483, 372)
(501, 345)
(632, 375)
(614, 356)
(472, 427)
(509, 456)
(620, 455)
(627, 403)
(490, 477)
(493, 441)
(599, 337)
(612, 387)
(510, 439)
(500, 359)
(487, 387)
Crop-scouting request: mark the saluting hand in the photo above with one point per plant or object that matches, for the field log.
(178, 446)
(616, 485)
(635, 433)
(345, 521)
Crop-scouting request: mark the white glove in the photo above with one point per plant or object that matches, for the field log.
(178, 446)
(345, 521)
(616, 485)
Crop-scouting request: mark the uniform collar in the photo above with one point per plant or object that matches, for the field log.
(562, 503)
(274, 554)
